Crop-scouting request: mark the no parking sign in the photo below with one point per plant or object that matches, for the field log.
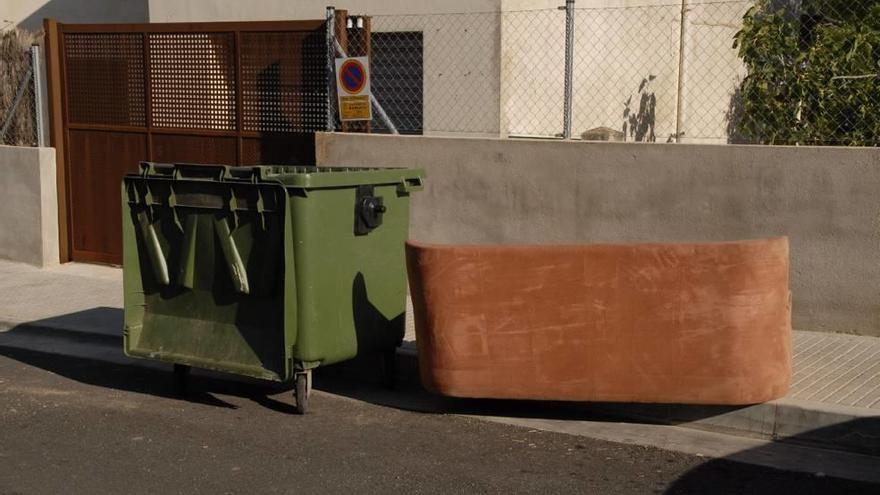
(353, 88)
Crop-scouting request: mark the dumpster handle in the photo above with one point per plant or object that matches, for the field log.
(186, 270)
(410, 184)
(233, 258)
(152, 168)
(154, 249)
(193, 171)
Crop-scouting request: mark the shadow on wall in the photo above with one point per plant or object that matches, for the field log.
(638, 123)
(734, 116)
(285, 112)
(86, 11)
(272, 117)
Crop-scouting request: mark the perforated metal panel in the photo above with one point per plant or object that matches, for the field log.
(283, 148)
(192, 80)
(181, 93)
(284, 81)
(193, 149)
(105, 78)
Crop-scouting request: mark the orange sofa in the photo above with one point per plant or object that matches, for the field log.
(706, 323)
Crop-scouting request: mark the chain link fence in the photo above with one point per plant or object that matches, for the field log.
(18, 89)
(716, 71)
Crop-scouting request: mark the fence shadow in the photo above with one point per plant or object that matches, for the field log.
(734, 116)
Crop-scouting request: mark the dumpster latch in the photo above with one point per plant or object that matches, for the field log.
(368, 210)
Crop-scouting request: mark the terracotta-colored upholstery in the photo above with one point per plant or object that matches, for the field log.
(665, 323)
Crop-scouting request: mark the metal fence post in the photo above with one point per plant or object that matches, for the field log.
(569, 52)
(681, 66)
(330, 26)
(38, 94)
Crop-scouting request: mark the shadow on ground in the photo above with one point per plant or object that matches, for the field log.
(101, 325)
(87, 347)
(65, 346)
(720, 475)
(359, 379)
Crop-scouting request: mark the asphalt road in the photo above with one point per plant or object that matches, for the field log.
(80, 426)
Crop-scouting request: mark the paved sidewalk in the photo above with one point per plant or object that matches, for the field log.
(73, 296)
(834, 400)
(837, 369)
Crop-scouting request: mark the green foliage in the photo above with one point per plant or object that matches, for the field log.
(813, 74)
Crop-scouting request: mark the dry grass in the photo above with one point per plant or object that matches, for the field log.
(15, 62)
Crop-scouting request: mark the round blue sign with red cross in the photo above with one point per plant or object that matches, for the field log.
(352, 76)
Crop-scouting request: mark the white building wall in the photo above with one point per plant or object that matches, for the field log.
(711, 70)
(618, 44)
(461, 45)
(29, 14)
(533, 67)
(493, 73)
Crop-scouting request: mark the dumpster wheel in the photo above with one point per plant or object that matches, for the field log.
(302, 390)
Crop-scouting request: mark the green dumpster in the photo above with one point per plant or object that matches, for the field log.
(264, 271)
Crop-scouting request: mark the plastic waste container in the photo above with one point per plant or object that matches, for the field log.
(265, 271)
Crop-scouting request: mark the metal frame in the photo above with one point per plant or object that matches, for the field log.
(331, 75)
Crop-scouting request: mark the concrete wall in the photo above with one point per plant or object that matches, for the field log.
(29, 14)
(29, 216)
(531, 191)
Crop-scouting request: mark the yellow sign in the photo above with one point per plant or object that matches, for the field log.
(353, 88)
(354, 108)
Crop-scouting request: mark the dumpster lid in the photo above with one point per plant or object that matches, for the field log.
(316, 177)
(288, 175)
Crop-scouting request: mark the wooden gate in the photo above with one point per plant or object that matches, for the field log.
(232, 93)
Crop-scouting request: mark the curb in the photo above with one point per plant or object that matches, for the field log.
(814, 424)
(802, 422)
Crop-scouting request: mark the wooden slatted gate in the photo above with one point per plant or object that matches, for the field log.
(233, 93)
